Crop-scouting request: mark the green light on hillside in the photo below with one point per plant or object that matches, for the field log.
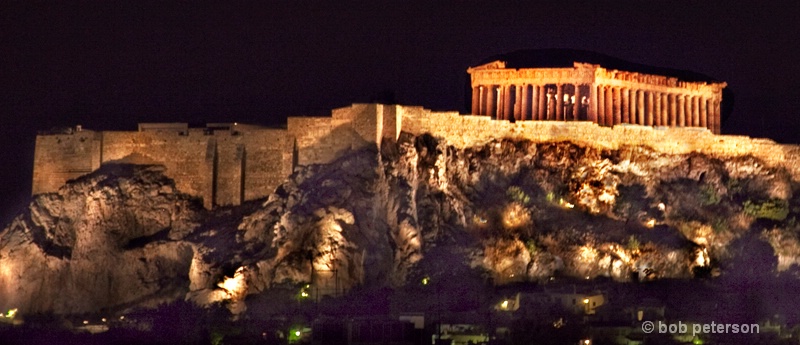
(297, 333)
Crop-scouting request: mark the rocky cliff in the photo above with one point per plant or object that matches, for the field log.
(416, 209)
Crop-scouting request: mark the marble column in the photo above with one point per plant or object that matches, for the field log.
(610, 105)
(491, 102)
(681, 110)
(576, 104)
(696, 111)
(617, 105)
(601, 105)
(560, 102)
(626, 105)
(499, 106)
(687, 101)
(703, 112)
(550, 112)
(535, 91)
(508, 107)
(657, 109)
(542, 103)
(640, 107)
(525, 108)
(649, 108)
(688, 110)
(592, 111)
(632, 106)
(482, 100)
(673, 110)
(518, 101)
(476, 99)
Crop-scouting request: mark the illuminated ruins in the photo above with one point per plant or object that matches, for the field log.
(589, 92)
(230, 163)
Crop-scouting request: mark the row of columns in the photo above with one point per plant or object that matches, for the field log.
(616, 105)
(605, 105)
(530, 102)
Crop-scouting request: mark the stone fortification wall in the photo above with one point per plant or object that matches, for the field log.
(189, 158)
(62, 157)
(269, 159)
(470, 130)
(372, 122)
(223, 167)
(320, 140)
(227, 167)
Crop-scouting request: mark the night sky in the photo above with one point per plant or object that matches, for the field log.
(110, 66)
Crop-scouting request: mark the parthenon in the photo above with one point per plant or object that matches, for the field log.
(589, 92)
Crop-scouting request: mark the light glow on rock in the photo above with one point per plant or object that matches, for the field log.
(236, 286)
(702, 259)
(621, 253)
(8, 283)
(515, 215)
(588, 254)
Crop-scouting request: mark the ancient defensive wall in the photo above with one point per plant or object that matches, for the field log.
(470, 130)
(223, 166)
(226, 164)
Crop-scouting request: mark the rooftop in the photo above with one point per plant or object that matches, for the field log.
(550, 58)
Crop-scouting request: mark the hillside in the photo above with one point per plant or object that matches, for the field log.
(419, 209)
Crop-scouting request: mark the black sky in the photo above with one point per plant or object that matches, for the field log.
(109, 66)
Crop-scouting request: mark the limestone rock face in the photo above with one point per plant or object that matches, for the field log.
(415, 209)
(108, 239)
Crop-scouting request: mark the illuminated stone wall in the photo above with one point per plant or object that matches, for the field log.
(269, 159)
(464, 131)
(250, 165)
(227, 167)
(321, 140)
(224, 167)
(61, 157)
(189, 158)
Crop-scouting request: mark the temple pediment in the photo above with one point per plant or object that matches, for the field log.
(491, 65)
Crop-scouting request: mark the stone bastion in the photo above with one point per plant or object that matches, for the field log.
(230, 163)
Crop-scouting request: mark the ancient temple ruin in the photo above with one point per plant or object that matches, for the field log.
(590, 92)
(231, 163)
